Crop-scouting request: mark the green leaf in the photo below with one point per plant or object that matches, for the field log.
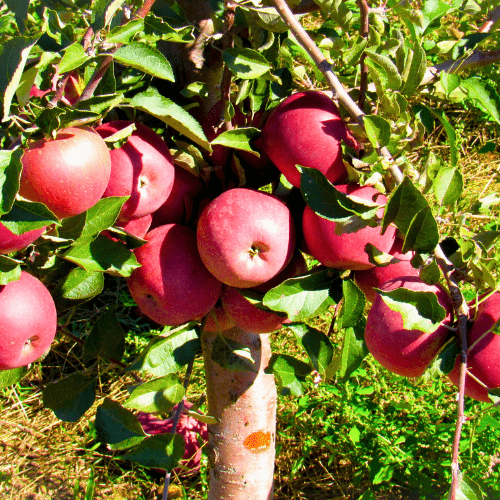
(103, 11)
(166, 355)
(10, 173)
(117, 426)
(20, 9)
(318, 346)
(74, 57)
(10, 269)
(232, 355)
(432, 11)
(70, 397)
(414, 69)
(145, 58)
(246, 63)
(290, 373)
(71, 227)
(238, 138)
(107, 338)
(448, 186)
(157, 28)
(353, 304)
(450, 132)
(378, 130)
(423, 234)
(328, 202)
(305, 297)
(420, 310)
(484, 95)
(391, 70)
(449, 81)
(158, 395)
(104, 255)
(163, 451)
(446, 359)
(78, 286)
(125, 33)
(403, 204)
(354, 350)
(172, 114)
(430, 273)
(11, 377)
(26, 216)
(469, 490)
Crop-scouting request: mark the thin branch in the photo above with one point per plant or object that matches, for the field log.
(364, 11)
(492, 17)
(227, 43)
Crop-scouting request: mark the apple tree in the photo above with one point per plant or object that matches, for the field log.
(244, 166)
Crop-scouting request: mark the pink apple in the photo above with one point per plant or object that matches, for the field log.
(346, 251)
(142, 168)
(405, 352)
(247, 316)
(372, 278)
(172, 286)
(245, 237)
(10, 242)
(69, 174)
(483, 355)
(306, 129)
(28, 321)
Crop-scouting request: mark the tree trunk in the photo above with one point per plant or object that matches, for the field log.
(242, 445)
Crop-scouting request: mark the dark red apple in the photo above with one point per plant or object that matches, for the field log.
(405, 352)
(10, 242)
(142, 168)
(137, 227)
(247, 316)
(245, 237)
(172, 286)
(179, 205)
(346, 251)
(306, 129)
(69, 174)
(28, 321)
(483, 354)
(372, 278)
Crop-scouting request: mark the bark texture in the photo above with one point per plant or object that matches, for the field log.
(242, 445)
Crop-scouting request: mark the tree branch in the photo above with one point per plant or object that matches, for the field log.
(364, 30)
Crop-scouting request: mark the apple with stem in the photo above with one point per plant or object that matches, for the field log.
(68, 174)
(28, 321)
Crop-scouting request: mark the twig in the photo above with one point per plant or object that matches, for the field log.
(227, 43)
(364, 10)
(492, 17)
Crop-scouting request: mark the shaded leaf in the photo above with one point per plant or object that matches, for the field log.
(423, 234)
(290, 373)
(246, 63)
(26, 216)
(74, 57)
(162, 451)
(353, 304)
(354, 350)
(232, 355)
(103, 11)
(10, 269)
(414, 69)
(78, 286)
(11, 377)
(10, 173)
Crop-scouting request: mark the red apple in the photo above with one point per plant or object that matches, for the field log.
(172, 286)
(483, 355)
(248, 316)
(137, 227)
(245, 237)
(142, 168)
(10, 242)
(218, 319)
(179, 205)
(188, 427)
(28, 321)
(405, 352)
(369, 279)
(346, 251)
(69, 174)
(306, 129)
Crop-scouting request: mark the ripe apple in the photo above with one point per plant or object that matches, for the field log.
(69, 174)
(179, 205)
(247, 316)
(142, 168)
(372, 278)
(405, 352)
(346, 251)
(188, 427)
(28, 321)
(306, 129)
(10, 242)
(172, 286)
(218, 320)
(483, 355)
(245, 237)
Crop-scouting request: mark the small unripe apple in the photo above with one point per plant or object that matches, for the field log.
(346, 251)
(306, 129)
(28, 321)
(245, 237)
(68, 174)
(246, 315)
(10, 242)
(401, 351)
(172, 286)
(372, 278)
(483, 354)
(141, 168)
